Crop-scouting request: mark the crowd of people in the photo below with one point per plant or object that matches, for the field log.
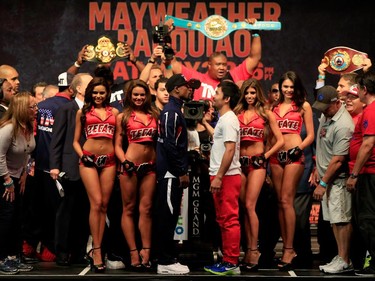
(91, 160)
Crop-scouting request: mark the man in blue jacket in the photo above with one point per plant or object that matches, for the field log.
(172, 172)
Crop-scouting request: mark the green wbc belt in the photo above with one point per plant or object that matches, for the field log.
(217, 27)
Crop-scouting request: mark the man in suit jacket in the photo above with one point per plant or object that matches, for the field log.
(6, 93)
(71, 227)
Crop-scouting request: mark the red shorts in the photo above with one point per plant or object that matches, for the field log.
(101, 161)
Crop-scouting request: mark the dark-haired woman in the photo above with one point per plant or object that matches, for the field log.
(97, 120)
(287, 164)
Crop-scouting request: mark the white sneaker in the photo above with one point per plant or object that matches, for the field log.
(174, 269)
(321, 267)
(114, 264)
(340, 266)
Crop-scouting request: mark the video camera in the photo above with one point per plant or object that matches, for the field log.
(194, 110)
(161, 36)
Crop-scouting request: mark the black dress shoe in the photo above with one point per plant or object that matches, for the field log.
(31, 259)
(62, 259)
(79, 260)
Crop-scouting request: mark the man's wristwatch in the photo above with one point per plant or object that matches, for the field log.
(151, 61)
(353, 176)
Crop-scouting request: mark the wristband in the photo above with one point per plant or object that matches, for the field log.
(168, 66)
(323, 184)
(9, 184)
(321, 77)
(76, 64)
(151, 61)
(255, 35)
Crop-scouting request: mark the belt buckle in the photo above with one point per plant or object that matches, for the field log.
(282, 156)
(101, 160)
(245, 161)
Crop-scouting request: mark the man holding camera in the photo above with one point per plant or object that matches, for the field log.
(172, 173)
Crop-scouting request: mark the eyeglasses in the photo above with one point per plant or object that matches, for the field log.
(274, 90)
(34, 106)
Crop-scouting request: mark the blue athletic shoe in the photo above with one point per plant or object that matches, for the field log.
(224, 268)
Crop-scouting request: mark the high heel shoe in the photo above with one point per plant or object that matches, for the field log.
(145, 262)
(97, 268)
(251, 267)
(286, 266)
(137, 266)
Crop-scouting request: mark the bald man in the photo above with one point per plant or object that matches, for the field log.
(11, 75)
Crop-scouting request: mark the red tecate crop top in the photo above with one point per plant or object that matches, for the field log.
(138, 132)
(98, 128)
(291, 122)
(254, 130)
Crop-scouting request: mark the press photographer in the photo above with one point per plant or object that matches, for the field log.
(198, 116)
(161, 36)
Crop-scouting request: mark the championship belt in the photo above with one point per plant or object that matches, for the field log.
(344, 60)
(217, 27)
(105, 51)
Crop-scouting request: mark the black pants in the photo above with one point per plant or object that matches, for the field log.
(50, 204)
(10, 222)
(302, 235)
(32, 203)
(365, 212)
(72, 220)
(167, 210)
(269, 227)
(114, 243)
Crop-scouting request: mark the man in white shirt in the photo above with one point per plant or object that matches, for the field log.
(225, 173)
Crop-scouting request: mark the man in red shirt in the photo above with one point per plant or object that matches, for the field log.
(362, 168)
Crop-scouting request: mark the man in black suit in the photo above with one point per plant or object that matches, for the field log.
(6, 93)
(71, 226)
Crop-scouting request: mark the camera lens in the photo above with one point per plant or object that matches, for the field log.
(205, 147)
(193, 111)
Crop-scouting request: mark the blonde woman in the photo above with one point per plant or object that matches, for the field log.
(16, 143)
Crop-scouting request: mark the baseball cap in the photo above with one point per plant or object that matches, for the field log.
(177, 80)
(324, 97)
(353, 90)
(65, 79)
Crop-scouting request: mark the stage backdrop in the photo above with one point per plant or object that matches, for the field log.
(42, 38)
